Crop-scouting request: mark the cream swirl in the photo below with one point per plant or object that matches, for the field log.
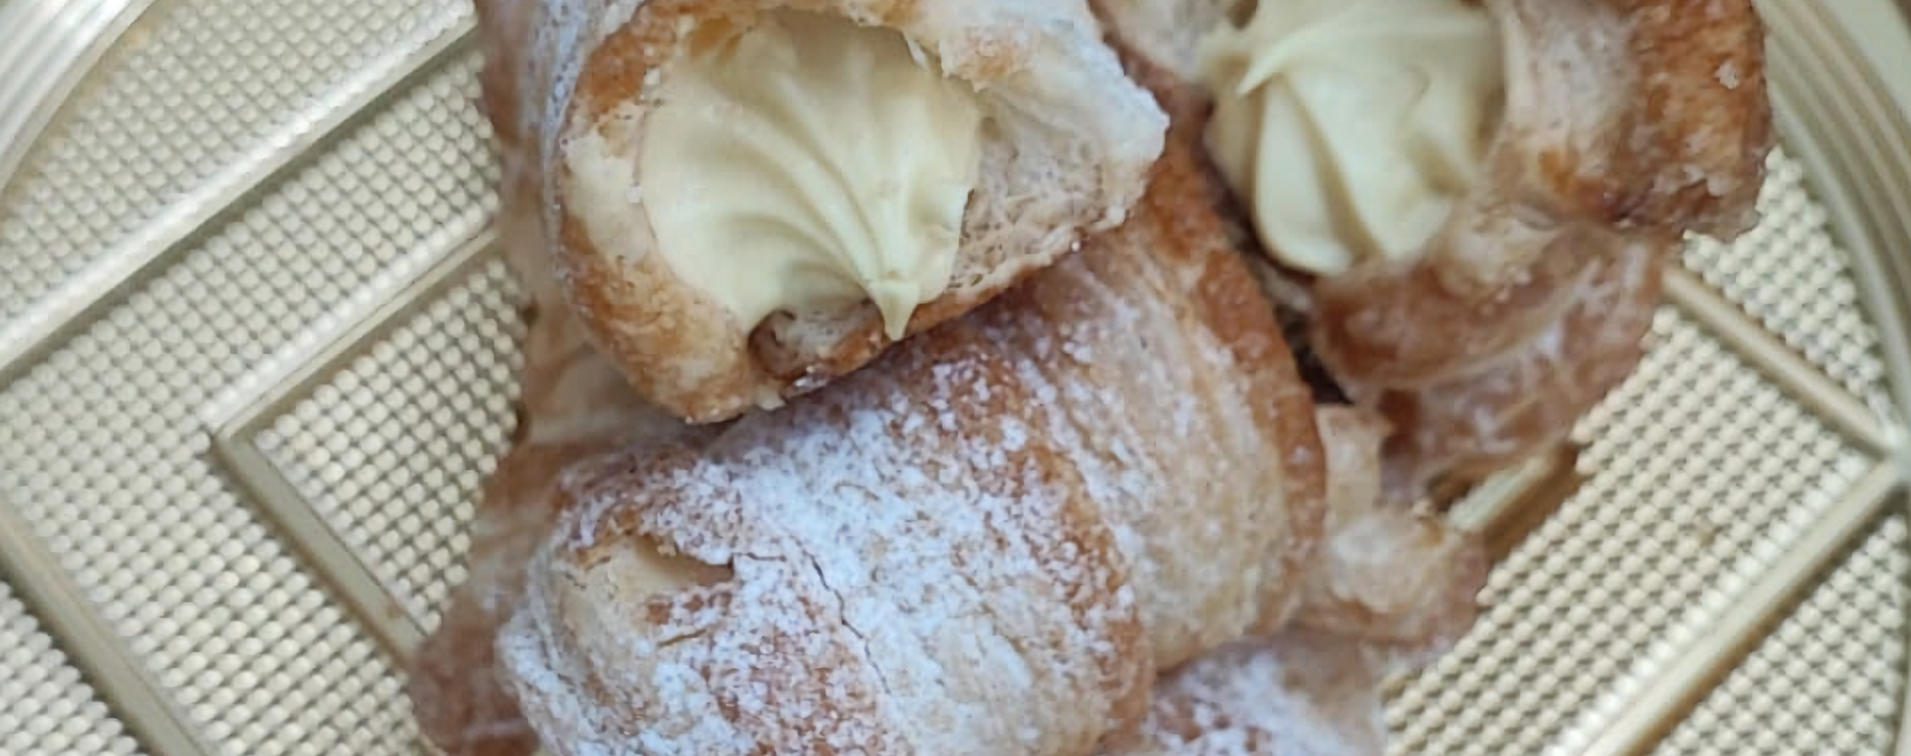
(811, 163)
(1351, 127)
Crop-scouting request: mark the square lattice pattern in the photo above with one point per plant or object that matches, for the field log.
(1792, 277)
(1699, 474)
(391, 450)
(104, 448)
(1829, 678)
(195, 89)
(45, 707)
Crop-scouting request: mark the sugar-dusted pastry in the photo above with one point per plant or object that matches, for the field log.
(1387, 589)
(987, 541)
(747, 198)
(1300, 693)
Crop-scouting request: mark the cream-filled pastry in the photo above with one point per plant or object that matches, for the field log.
(747, 199)
(1482, 192)
(809, 163)
(986, 543)
(1351, 129)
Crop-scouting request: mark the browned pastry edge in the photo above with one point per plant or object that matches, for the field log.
(1188, 195)
(1696, 139)
(1514, 322)
(1167, 284)
(648, 321)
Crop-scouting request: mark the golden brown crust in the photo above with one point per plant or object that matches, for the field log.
(1188, 193)
(1629, 124)
(1228, 300)
(1528, 398)
(1693, 154)
(1073, 456)
(1038, 63)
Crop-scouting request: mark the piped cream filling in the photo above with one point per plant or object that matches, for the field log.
(1352, 127)
(811, 163)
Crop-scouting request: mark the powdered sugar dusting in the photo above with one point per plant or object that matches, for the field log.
(928, 591)
(1301, 694)
(1192, 516)
(933, 555)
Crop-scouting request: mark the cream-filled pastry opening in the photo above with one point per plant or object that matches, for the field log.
(1350, 128)
(810, 163)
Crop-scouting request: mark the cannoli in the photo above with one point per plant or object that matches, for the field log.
(1481, 193)
(989, 540)
(747, 198)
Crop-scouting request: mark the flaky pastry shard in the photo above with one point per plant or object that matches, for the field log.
(1386, 572)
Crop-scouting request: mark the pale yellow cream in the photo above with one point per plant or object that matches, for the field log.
(1350, 127)
(811, 163)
